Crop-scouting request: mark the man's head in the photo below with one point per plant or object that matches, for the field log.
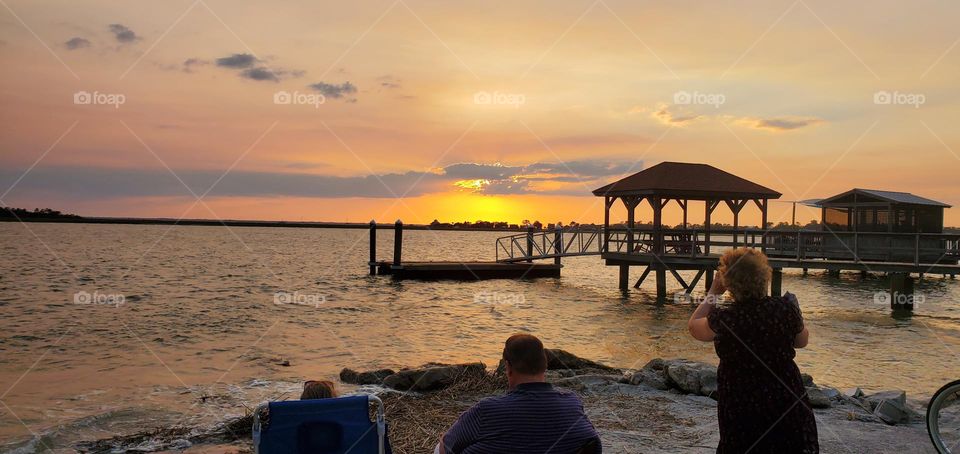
(525, 359)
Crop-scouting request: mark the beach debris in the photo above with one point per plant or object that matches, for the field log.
(372, 377)
(890, 406)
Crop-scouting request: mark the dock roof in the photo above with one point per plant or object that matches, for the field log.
(687, 180)
(885, 196)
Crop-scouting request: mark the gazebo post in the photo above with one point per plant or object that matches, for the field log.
(763, 226)
(606, 223)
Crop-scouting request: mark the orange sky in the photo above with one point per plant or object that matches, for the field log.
(460, 112)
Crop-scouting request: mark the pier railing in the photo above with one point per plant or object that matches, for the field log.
(913, 248)
(547, 244)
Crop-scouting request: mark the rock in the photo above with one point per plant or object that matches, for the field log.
(558, 359)
(562, 359)
(284, 363)
(685, 375)
(589, 382)
(708, 382)
(831, 393)
(817, 398)
(890, 406)
(807, 379)
(432, 376)
(855, 393)
(373, 377)
(656, 379)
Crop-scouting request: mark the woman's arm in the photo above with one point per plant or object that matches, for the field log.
(698, 325)
(803, 337)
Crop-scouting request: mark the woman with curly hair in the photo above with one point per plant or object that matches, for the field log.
(762, 403)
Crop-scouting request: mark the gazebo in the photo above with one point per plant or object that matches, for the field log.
(663, 249)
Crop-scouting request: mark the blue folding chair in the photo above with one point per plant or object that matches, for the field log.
(322, 426)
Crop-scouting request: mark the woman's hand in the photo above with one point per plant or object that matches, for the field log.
(717, 287)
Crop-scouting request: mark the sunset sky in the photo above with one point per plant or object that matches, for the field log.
(466, 110)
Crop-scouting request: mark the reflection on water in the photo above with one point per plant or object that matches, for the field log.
(201, 331)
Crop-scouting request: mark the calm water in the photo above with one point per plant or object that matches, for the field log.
(199, 336)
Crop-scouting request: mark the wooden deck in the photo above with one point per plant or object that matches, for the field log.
(468, 271)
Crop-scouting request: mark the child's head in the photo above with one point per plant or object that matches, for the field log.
(318, 389)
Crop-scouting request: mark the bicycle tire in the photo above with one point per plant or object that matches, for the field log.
(933, 414)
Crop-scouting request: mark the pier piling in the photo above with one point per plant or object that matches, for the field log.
(397, 243)
(901, 292)
(776, 282)
(373, 247)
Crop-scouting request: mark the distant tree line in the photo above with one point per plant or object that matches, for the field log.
(37, 213)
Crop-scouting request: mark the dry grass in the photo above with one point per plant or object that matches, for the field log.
(417, 420)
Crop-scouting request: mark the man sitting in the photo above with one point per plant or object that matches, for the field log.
(532, 417)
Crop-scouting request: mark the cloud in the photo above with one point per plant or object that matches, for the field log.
(122, 33)
(388, 82)
(191, 63)
(237, 61)
(482, 178)
(334, 91)
(76, 43)
(664, 115)
(780, 124)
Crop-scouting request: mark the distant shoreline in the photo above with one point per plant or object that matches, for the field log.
(247, 223)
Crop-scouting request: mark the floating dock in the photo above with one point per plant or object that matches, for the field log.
(467, 271)
(452, 270)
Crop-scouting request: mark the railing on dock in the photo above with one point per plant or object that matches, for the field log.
(546, 244)
(915, 248)
(907, 248)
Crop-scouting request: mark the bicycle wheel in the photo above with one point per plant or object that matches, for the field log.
(943, 418)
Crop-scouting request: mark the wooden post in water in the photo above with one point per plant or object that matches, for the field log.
(397, 242)
(530, 244)
(661, 283)
(624, 276)
(373, 247)
(557, 244)
(901, 292)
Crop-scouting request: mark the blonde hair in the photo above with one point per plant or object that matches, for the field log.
(318, 389)
(746, 273)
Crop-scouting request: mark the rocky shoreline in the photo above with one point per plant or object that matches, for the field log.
(666, 406)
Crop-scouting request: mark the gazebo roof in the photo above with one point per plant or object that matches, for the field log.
(688, 180)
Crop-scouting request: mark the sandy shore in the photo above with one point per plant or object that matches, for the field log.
(627, 408)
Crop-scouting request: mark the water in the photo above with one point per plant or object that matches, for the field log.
(199, 337)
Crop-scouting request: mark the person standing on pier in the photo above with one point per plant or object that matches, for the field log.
(762, 403)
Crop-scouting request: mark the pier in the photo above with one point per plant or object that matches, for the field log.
(893, 233)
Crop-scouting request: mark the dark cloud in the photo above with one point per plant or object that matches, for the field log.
(782, 124)
(122, 33)
(334, 91)
(237, 61)
(259, 73)
(95, 182)
(76, 43)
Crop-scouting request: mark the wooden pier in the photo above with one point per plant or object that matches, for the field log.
(451, 270)
(893, 233)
